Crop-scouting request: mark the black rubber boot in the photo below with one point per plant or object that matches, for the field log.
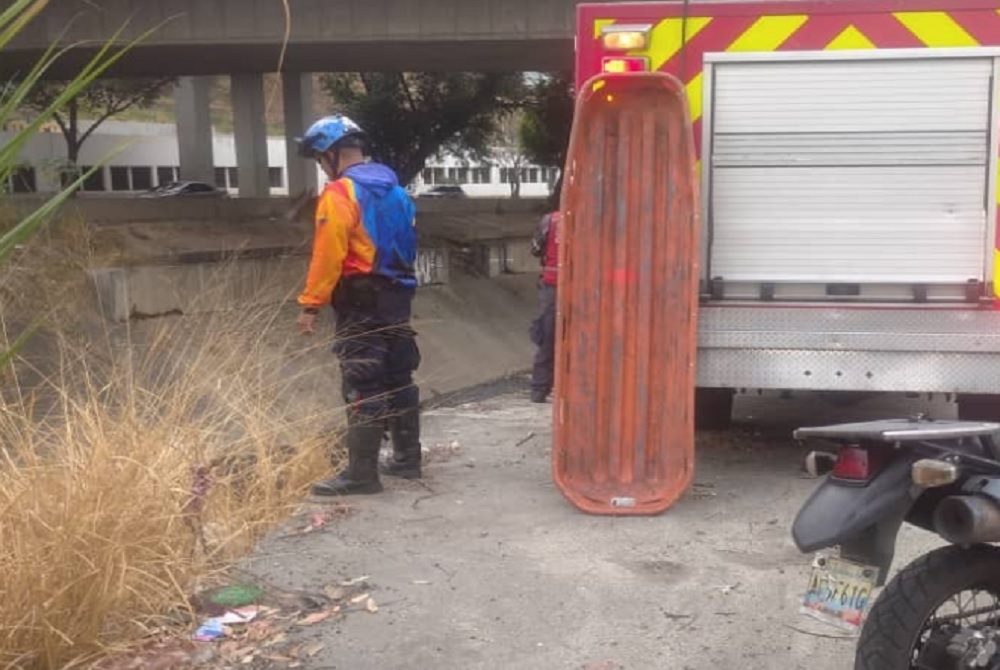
(361, 475)
(406, 452)
(539, 397)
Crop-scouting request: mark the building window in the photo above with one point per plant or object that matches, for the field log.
(166, 175)
(504, 175)
(437, 175)
(276, 177)
(142, 178)
(95, 181)
(481, 175)
(533, 176)
(234, 177)
(220, 177)
(22, 180)
(426, 175)
(119, 178)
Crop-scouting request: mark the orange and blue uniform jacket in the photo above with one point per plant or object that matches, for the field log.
(365, 225)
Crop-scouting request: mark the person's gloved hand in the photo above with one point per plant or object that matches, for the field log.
(307, 320)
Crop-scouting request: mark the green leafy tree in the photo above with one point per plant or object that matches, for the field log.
(96, 104)
(547, 121)
(410, 117)
(15, 96)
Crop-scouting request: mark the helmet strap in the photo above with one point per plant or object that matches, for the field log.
(336, 160)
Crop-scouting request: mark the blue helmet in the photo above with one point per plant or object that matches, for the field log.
(326, 133)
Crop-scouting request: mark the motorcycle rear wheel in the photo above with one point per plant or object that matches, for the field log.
(906, 611)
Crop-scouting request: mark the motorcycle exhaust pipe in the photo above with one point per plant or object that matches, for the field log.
(965, 520)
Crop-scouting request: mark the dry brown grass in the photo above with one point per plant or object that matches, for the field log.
(144, 459)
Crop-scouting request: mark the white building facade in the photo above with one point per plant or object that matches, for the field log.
(136, 157)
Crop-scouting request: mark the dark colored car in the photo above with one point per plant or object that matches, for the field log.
(444, 192)
(185, 189)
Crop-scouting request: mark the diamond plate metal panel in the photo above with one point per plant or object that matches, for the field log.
(929, 350)
(850, 329)
(849, 370)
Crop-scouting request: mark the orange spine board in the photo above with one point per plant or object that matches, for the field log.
(626, 334)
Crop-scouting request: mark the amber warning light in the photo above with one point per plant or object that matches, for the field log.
(626, 37)
(629, 64)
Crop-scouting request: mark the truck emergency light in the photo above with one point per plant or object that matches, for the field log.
(625, 38)
(625, 64)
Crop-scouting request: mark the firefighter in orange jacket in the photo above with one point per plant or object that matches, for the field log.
(363, 261)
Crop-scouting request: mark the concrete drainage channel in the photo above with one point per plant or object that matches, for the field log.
(202, 281)
(472, 310)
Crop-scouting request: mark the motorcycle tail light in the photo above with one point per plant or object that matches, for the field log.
(857, 464)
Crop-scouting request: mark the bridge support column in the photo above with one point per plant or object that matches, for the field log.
(250, 135)
(194, 129)
(298, 89)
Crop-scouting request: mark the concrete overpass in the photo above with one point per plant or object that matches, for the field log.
(243, 39)
(202, 37)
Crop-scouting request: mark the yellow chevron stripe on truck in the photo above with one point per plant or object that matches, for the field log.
(936, 29)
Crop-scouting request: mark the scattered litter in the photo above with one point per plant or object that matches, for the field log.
(729, 588)
(301, 600)
(241, 615)
(527, 438)
(252, 634)
(317, 520)
(219, 627)
(238, 595)
(211, 629)
(335, 592)
(422, 582)
(313, 649)
(319, 617)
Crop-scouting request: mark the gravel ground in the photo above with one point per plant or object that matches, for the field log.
(484, 564)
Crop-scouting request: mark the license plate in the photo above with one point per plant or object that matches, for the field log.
(839, 592)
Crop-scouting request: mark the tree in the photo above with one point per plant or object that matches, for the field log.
(547, 121)
(410, 117)
(508, 154)
(96, 104)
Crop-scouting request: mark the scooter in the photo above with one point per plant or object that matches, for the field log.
(942, 611)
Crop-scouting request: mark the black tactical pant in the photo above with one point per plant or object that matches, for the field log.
(543, 335)
(377, 349)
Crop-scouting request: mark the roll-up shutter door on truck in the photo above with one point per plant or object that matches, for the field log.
(866, 171)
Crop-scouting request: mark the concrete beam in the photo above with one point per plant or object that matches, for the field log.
(298, 95)
(250, 134)
(194, 129)
(242, 36)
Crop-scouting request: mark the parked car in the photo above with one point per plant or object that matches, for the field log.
(444, 192)
(185, 189)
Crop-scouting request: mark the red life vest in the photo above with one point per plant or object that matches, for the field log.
(550, 261)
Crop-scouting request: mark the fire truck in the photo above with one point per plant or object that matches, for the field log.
(848, 175)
